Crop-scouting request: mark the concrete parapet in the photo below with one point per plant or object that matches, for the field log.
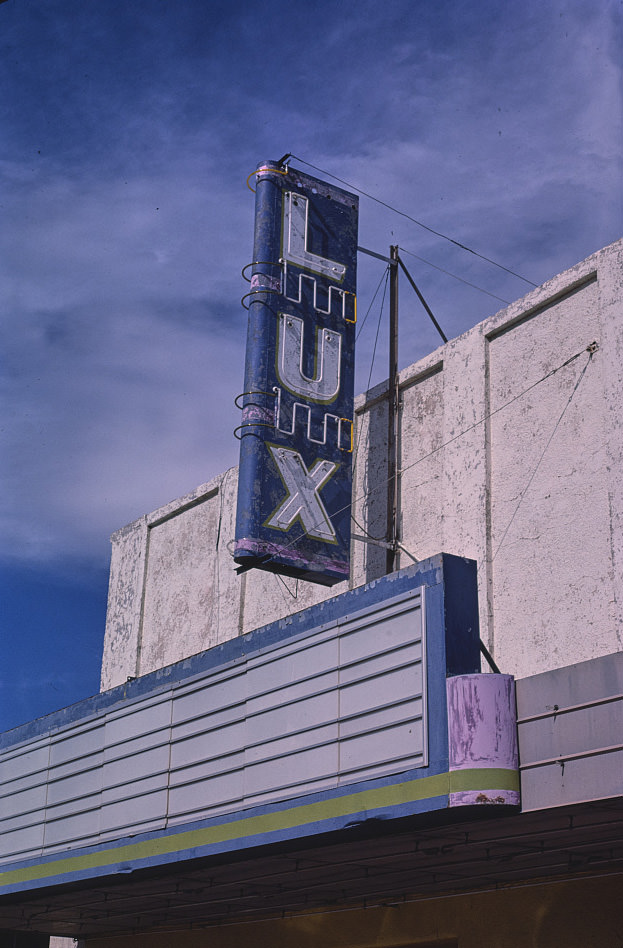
(511, 447)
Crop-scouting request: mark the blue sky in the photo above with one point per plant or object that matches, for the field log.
(127, 133)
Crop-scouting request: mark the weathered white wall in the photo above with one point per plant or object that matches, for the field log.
(508, 455)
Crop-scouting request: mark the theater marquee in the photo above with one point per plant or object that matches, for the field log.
(367, 709)
(296, 433)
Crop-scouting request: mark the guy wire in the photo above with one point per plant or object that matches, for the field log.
(414, 220)
(383, 483)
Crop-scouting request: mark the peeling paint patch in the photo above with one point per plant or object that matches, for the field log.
(485, 798)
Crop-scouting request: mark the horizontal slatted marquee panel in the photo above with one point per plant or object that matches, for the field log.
(336, 704)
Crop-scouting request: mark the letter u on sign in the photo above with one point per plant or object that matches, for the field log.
(324, 384)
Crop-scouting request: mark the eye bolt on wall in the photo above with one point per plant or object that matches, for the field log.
(296, 431)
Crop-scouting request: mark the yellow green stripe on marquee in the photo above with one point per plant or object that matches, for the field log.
(279, 820)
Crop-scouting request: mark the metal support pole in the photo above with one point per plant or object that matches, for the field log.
(422, 300)
(392, 416)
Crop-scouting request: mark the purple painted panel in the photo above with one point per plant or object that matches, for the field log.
(482, 733)
(482, 721)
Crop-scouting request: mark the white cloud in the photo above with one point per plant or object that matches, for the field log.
(101, 436)
(125, 348)
(124, 336)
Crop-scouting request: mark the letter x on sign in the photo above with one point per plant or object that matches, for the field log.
(302, 499)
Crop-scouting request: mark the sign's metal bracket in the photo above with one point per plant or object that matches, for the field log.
(373, 540)
(379, 256)
(384, 544)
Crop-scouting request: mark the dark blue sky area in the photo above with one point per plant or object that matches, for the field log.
(127, 132)
(55, 655)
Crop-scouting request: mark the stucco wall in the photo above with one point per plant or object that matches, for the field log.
(511, 451)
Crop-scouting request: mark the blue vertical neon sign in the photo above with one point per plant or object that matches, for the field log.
(296, 435)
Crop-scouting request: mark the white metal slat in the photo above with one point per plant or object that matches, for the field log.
(331, 705)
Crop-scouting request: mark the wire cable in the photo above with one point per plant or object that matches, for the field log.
(544, 452)
(378, 328)
(414, 220)
(294, 594)
(454, 276)
(591, 349)
(363, 321)
(495, 411)
(385, 276)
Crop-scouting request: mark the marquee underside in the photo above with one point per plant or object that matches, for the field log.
(364, 864)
